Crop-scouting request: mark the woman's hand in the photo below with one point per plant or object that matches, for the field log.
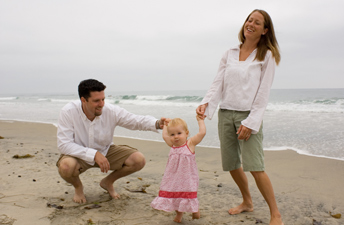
(201, 110)
(244, 133)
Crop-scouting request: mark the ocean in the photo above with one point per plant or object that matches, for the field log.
(309, 121)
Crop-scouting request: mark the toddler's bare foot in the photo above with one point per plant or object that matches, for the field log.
(109, 188)
(79, 196)
(178, 218)
(196, 215)
(241, 208)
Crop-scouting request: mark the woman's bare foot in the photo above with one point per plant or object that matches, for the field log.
(178, 218)
(109, 188)
(196, 215)
(241, 208)
(276, 221)
(79, 196)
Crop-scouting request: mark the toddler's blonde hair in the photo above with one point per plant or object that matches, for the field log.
(176, 122)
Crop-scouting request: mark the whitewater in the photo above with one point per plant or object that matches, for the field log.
(309, 121)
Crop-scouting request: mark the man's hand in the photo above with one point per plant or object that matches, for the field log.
(163, 121)
(244, 133)
(102, 162)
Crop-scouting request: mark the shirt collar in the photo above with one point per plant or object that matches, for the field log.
(81, 112)
(235, 47)
(83, 115)
(238, 48)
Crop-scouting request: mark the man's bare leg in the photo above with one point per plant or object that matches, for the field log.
(69, 171)
(240, 179)
(133, 163)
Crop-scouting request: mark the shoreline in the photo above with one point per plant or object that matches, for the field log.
(307, 188)
(284, 148)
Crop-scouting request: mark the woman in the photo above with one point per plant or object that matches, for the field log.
(243, 85)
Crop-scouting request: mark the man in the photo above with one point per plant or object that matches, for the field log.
(85, 139)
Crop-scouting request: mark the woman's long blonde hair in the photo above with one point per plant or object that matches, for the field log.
(267, 41)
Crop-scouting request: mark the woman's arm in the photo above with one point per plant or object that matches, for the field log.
(254, 120)
(213, 96)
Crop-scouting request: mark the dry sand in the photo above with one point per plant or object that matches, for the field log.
(308, 189)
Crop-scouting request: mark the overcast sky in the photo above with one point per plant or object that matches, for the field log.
(49, 46)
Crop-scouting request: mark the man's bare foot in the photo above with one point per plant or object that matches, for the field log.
(79, 196)
(178, 218)
(241, 208)
(109, 188)
(196, 215)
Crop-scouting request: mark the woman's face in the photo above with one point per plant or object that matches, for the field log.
(254, 26)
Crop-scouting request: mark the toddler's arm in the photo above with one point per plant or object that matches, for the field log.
(165, 135)
(195, 140)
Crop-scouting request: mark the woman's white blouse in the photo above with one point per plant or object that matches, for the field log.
(242, 86)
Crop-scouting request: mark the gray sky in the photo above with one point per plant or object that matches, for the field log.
(139, 45)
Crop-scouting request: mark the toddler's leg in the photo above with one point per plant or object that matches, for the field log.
(196, 215)
(178, 217)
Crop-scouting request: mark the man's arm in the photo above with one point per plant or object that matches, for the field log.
(132, 121)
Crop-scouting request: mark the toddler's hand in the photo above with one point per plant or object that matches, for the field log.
(167, 120)
(201, 109)
(200, 117)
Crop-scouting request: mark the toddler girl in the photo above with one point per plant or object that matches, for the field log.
(178, 189)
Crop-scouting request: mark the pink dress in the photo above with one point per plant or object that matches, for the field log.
(178, 189)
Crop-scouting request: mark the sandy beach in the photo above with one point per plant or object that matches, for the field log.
(309, 190)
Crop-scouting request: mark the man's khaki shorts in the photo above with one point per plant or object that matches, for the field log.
(117, 154)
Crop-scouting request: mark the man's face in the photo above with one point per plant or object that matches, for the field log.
(93, 106)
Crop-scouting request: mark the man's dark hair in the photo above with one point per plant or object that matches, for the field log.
(87, 86)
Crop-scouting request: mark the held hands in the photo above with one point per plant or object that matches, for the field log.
(163, 121)
(102, 162)
(167, 120)
(201, 110)
(244, 133)
(199, 117)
